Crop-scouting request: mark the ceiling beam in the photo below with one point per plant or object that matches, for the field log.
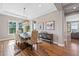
(72, 13)
(71, 5)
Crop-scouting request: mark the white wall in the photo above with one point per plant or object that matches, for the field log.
(58, 17)
(4, 25)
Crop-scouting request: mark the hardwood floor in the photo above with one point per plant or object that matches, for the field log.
(7, 48)
(74, 47)
(44, 49)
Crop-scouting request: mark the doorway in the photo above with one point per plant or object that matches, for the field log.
(73, 30)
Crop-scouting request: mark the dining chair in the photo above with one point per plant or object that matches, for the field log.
(17, 37)
(34, 40)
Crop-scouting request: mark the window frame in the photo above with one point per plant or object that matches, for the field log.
(71, 22)
(8, 27)
(20, 27)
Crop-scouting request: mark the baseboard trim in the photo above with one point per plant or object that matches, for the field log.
(3, 39)
(55, 42)
(62, 45)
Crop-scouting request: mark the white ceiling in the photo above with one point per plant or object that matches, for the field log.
(69, 8)
(32, 11)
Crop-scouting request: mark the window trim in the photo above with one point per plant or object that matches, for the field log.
(20, 27)
(8, 26)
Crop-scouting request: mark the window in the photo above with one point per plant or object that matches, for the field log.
(27, 27)
(68, 26)
(74, 26)
(20, 27)
(12, 27)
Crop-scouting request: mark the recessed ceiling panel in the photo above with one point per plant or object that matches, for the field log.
(32, 10)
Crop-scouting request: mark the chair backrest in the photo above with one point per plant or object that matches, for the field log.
(34, 36)
(17, 37)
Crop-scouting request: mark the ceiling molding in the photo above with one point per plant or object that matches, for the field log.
(69, 8)
(33, 10)
(71, 13)
(11, 14)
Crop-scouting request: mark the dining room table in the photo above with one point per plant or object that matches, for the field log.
(25, 35)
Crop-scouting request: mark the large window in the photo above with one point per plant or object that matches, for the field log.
(20, 27)
(12, 27)
(27, 27)
(68, 26)
(73, 26)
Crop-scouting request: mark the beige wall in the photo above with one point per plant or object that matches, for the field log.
(4, 25)
(59, 28)
(49, 17)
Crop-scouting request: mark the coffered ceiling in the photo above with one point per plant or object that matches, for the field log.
(32, 10)
(70, 8)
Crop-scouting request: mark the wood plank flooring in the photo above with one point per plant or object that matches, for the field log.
(44, 49)
(73, 46)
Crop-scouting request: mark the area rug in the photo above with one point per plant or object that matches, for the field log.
(17, 50)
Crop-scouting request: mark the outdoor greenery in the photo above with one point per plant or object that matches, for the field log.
(12, 27)
(27, 28)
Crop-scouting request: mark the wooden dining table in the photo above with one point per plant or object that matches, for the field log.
(24, 40)
(25, 37)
